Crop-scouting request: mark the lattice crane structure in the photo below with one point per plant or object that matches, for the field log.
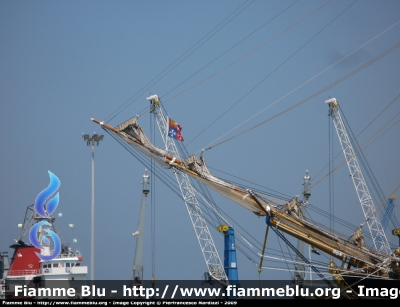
(375, 227)
(211, 257)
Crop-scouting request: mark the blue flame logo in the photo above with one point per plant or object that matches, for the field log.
(45, 211)
(45, 194)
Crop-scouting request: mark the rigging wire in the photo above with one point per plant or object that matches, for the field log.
(385, 130)
(153, 205)
(287, 197)
(306, 99)
(196, 184)
(160, 175)
(237, 60)
(343, 163)
(365, 145)
(338, 220)
(238, 43)
(376, 117)
(374, 184)
(392, 217)
(285, 260)
(353, 228)
(174, 189)
(179, 60)
(383, 201)
(259, 83)
(152, 161)
(363, 161)
(242, 57)
(296, 88)
(242, 251)
(239, 242)
(331, 178)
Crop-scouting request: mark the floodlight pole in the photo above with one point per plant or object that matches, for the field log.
(93, 139)
(92, 230)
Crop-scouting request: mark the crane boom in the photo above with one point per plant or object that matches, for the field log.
(377, 233)
(211, 257)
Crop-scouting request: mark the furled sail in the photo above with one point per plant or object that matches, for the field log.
(132, 133)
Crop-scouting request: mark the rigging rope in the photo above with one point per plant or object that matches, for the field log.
(284, 62)
(230, 50)
(178, 61)
(306, 99)
(241, 243)
(331, 177)
(242, 57)
(365, 145)
(360, 150)
(237, 60)
(153, 205)
(173, 188)
(286, 197)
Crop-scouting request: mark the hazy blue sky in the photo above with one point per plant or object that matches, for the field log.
(229, 63)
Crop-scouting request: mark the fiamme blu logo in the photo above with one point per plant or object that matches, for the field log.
(45, 210)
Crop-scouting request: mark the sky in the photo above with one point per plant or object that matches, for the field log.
(255, 74)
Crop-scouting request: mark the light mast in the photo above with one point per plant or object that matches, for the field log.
(137, 276)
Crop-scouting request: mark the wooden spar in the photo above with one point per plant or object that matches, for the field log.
(104, 125)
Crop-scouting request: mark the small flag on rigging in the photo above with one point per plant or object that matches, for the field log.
(174, 130)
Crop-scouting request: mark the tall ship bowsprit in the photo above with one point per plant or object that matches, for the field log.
(359, 262)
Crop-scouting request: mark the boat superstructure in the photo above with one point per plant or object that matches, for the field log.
(26, 268)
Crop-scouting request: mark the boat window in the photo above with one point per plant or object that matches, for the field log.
(78, 264)
(55, 265)
(67, 264)
(44, 266)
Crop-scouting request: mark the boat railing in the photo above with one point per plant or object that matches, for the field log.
(23, 272)
(70, 270)
(78, 270)
(68, 255)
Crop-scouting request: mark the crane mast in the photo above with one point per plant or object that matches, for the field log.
(211, 257)
(376, 230)
(137, 276)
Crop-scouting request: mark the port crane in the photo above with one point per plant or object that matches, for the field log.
(210, 254)
(375, 227)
